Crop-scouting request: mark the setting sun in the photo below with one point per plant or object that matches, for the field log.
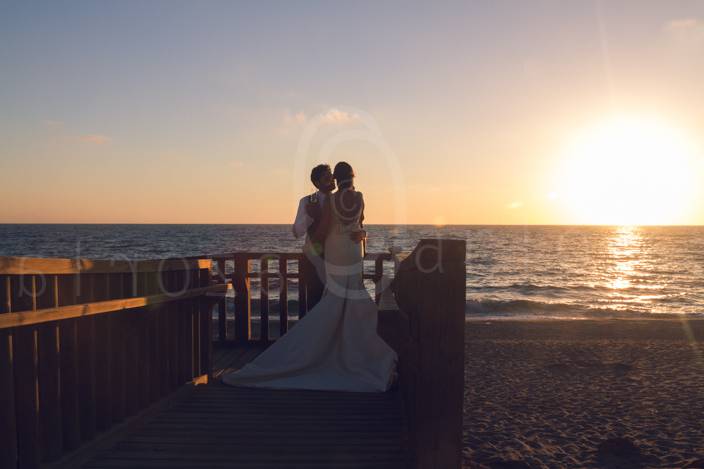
(628, 170)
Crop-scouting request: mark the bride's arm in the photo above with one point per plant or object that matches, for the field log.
(359, 236)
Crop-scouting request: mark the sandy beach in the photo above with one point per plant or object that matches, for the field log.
(591, 393)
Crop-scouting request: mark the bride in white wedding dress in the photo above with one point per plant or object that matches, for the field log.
(336, 345)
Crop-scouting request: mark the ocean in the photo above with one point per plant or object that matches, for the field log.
(512, 271)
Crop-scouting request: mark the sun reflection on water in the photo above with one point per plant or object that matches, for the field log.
(625, 250)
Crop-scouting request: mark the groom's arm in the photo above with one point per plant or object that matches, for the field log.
(302, 221)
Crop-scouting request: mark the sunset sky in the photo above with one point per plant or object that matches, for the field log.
(471, 113)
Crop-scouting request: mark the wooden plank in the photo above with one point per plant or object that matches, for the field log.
(70, 415)
(50, 425)
(133, 358)
(283, 296)
(264, 300)
(206, 336)
(118, 341)
(116, 324)
(301, 291)
(155, 366)
(10, 320)
(8, 428)
(37, 266)
(86, 377)
(243, 300)
(5, 294)
(103, 348)
(103, 372)
(222, 304)
(378, 273)
(186, 341)
(26, 402)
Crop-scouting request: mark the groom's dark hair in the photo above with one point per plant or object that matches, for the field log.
(318, 171)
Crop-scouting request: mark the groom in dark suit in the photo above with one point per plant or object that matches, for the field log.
(309, 222)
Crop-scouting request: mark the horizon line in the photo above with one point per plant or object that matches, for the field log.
(368, 224)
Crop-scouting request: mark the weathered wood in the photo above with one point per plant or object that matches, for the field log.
(301, 291)
(116, 325)
(28, 266)
(243, 301)
(186, 342)
(50, 425)
(222, 305)
(118, 342)
(25, 377)
(133, 360)
(378, 273)
(430, 289)
(283, 296)
(10, 320)
(86, 377)
(70, 414)
(103, 356)
(5, 294)
(8, 428)
(222, 426)
(264, 300)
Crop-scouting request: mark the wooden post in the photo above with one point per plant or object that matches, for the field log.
(5, 294)
(117, 351)
(25, 371)
(378, 273)
(103, 349)
(222, 304)
(49, 394)
(283, 295)
(68, 339)
(8, 429)
(205, 306)
(302, 297)
(264, 299)
(243, 300)
(430, 289)
(49, 364)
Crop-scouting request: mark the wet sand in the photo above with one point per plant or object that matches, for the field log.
(594, 393)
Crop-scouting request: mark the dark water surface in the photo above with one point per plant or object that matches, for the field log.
(514, 271)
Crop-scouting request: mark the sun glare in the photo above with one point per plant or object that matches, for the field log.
(628, 171)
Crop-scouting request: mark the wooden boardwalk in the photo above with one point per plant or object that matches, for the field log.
(218, 426)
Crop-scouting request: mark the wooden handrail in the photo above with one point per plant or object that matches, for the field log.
(57, 266)
(10, 320)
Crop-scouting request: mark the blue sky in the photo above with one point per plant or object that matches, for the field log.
(147, 111)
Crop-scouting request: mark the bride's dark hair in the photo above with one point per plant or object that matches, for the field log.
(344, 175)
(348, 204)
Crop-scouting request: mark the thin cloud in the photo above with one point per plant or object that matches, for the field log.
(685, 30)
(514, 205)
(337, 117)
(94, 139)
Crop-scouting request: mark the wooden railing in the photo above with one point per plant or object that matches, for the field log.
(85, 344)
(236, 269)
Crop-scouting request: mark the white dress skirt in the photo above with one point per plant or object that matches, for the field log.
(336, 345)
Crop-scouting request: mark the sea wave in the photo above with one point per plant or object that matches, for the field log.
(518, 308)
